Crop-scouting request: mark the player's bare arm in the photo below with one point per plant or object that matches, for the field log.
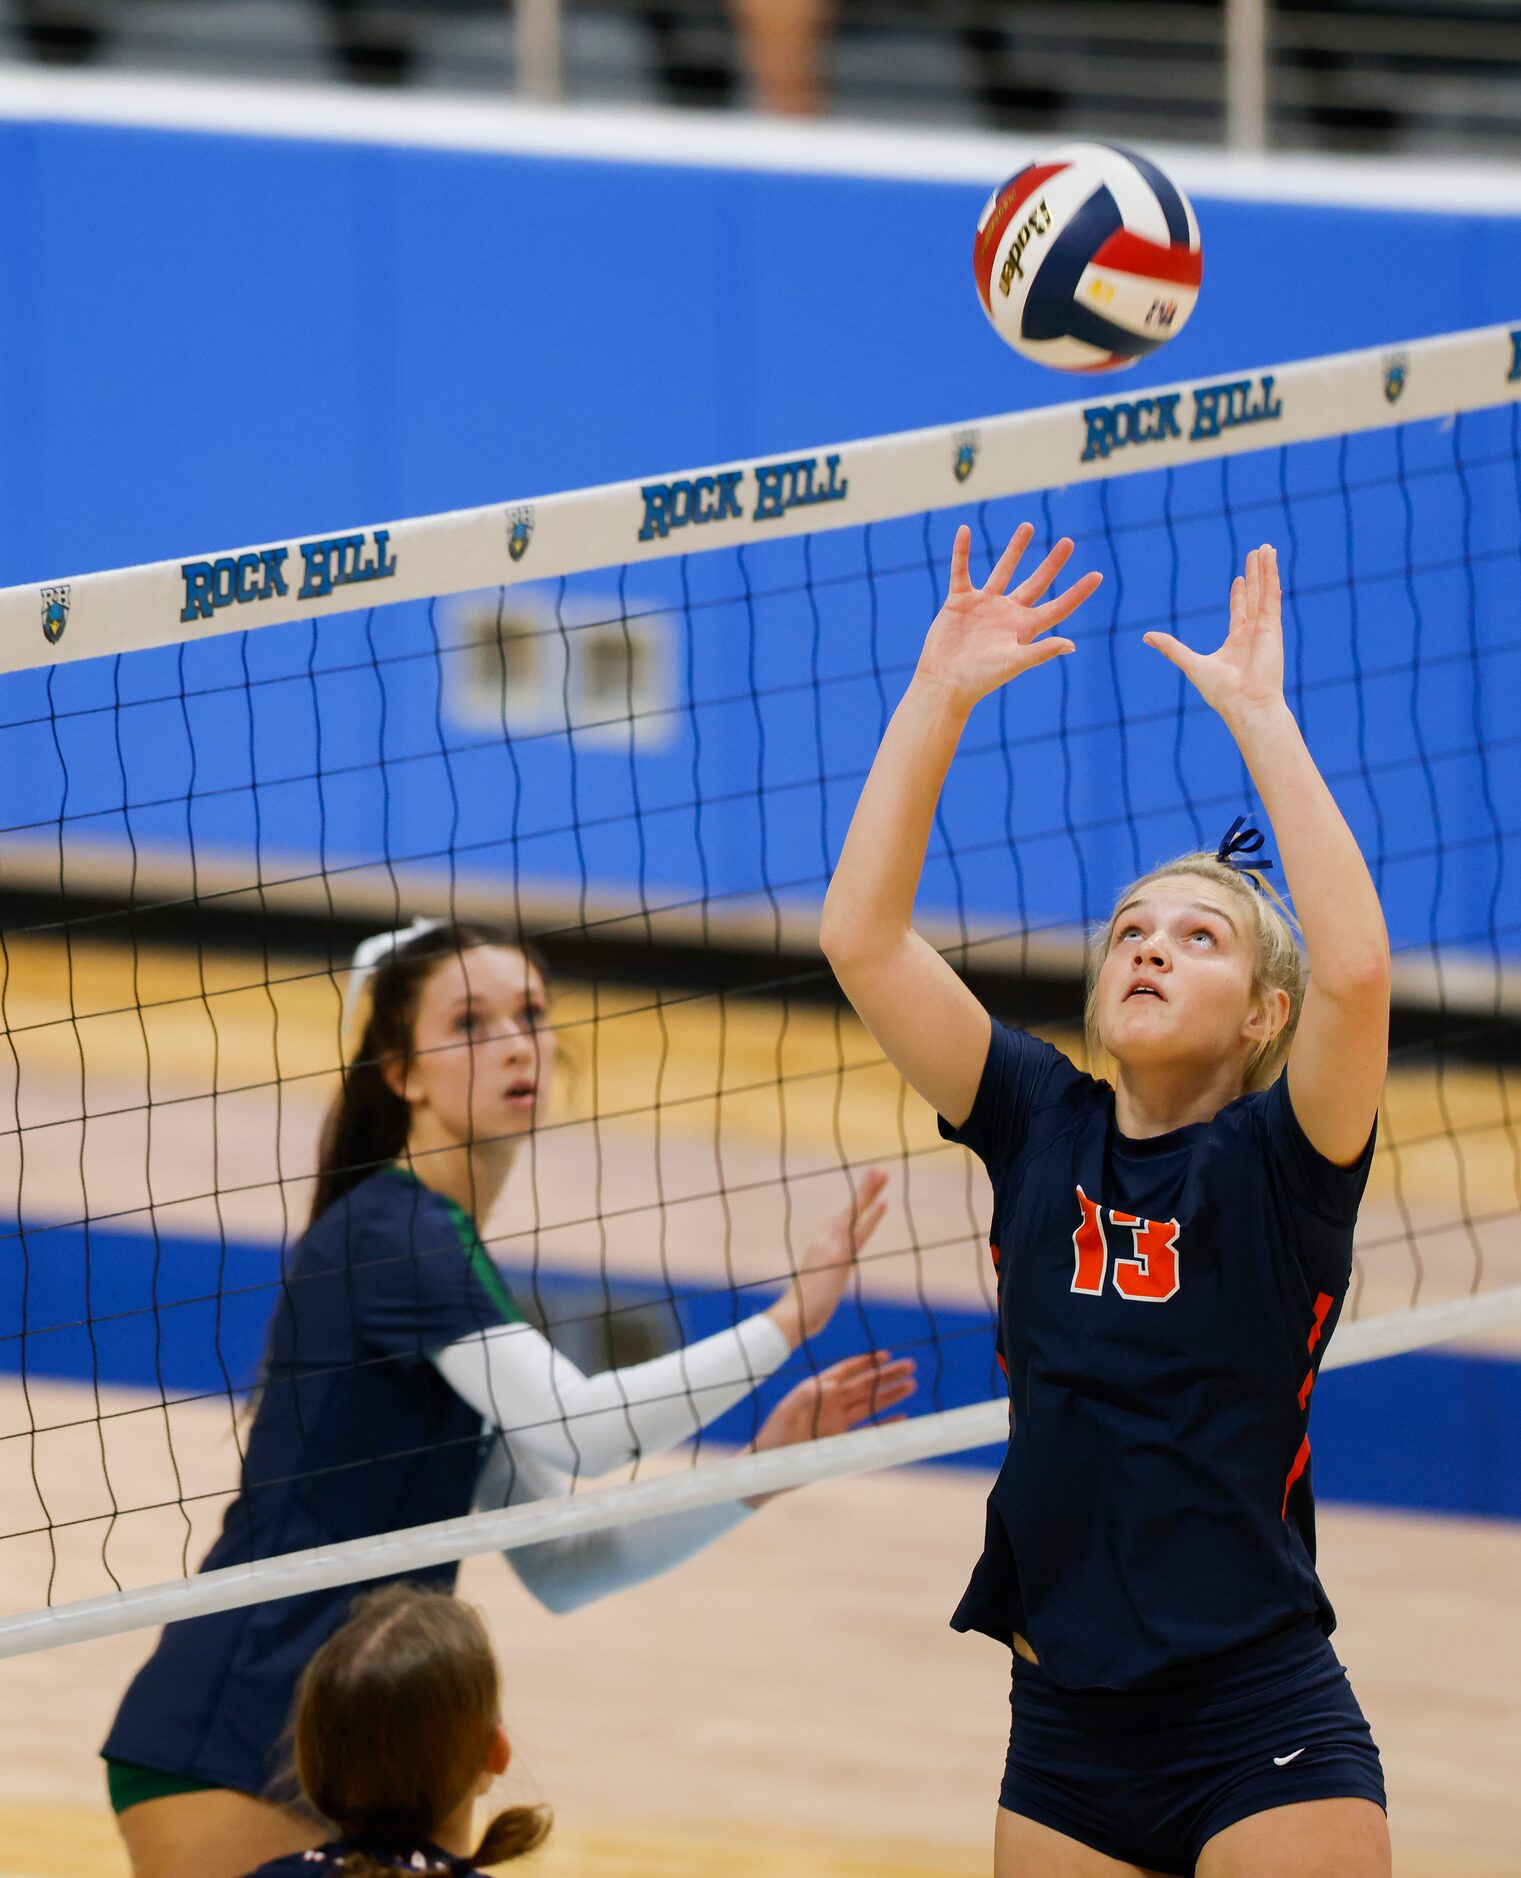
(1340, 1050)
(928, 1023)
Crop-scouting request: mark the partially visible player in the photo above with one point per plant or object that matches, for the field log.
(398, 1736)
(1173, 1254)
(402, 1386)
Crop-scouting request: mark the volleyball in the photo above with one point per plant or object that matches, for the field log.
(1088, 260)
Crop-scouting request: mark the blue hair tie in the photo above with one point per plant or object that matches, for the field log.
(1239, 842)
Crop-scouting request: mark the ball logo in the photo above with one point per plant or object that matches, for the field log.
(55, 613)
(693, 501)
(1394, 379)
(519, 531)
(1216, 408)
(261, 574)
(966, 444)
(1037, 222)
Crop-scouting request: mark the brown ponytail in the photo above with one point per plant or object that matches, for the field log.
(393, 1721)
(366, 1126)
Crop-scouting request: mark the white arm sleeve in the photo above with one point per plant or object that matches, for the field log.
(563, 1574)
(588, 1425)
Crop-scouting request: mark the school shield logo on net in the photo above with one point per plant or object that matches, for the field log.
(519, 531)
(965, 461)
(55, 613)
(1394, 380)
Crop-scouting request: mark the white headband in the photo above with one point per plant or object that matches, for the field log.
(370, 954)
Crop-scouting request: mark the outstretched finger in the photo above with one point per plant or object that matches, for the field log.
(1184, 657)
(1253, 586)
(1003, 568)
(1034, 585)
(868, 1187)
(870, 1371)
(1272, 590)
(1238, 606)
(896, 1375)
(882, 1391)
(890, 1393)
(1045, 650)
(1066, 604)
(857, 1408)
(851, 1369)
(867, 1222)
(961, 561)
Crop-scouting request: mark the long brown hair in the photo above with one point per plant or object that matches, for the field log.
(393, 1720)
(366, 1126)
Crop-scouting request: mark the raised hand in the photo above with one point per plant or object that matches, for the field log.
(1246, 674)
(825, 1268)
(837, 1399)
(982, 637)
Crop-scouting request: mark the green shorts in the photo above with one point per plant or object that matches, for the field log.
(129, 1785)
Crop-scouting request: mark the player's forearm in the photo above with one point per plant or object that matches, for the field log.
(565, 1574)
(1333, 892)
(578, 1568)
(870, 903)
(552, 1412)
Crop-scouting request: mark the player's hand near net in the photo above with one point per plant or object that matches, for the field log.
(824, 1270)
(984, 636)
(1340, 1052)
(839, 1398)
(931, 1026)
(1244, 675)
(835, 1401)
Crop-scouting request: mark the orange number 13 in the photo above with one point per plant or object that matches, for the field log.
(1147, 1273)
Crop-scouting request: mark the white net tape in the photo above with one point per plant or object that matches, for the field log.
(731, 505)
(865, 1450)
(726, 506)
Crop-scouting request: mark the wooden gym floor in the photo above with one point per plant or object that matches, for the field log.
(792, 1702)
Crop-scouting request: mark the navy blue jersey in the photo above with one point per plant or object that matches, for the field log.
(355, 1433)
(1164, 1305)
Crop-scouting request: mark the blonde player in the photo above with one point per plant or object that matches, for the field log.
(1173, 1252)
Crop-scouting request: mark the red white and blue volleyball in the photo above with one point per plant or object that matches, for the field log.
(1088, 260)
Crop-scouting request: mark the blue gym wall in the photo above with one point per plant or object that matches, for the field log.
(209, 341)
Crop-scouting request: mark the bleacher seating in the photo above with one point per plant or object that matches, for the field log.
(1381, 74)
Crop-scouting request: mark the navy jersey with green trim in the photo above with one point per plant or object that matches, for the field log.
(1164, 1305)
(355, 1433)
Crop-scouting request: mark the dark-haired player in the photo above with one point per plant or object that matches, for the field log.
(402, 1386)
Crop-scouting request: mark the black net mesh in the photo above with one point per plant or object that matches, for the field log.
(648, 772)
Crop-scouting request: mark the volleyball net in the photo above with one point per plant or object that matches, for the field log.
(631, 723)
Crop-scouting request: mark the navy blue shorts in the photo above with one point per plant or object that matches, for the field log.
(1151, 1777)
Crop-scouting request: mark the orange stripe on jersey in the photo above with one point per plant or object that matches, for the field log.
(1323, 1304)
(1301, 1462)
(994, 1250)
